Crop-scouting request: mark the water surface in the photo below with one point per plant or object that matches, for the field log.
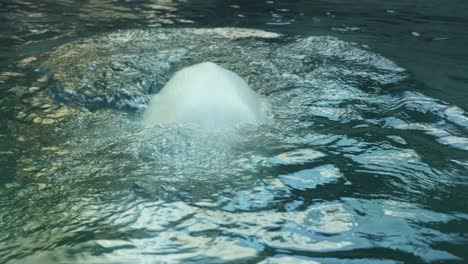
(363, 159)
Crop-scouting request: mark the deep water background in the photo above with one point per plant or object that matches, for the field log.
(365, 159)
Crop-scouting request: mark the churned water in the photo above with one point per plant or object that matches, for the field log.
(356, 163)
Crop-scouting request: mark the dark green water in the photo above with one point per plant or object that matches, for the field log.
(364, 159)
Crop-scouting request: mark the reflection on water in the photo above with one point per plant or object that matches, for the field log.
(350, 162)
(356, 164)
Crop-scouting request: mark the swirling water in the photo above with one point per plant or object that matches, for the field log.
(355, 165)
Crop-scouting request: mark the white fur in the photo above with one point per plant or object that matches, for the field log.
(207, 95)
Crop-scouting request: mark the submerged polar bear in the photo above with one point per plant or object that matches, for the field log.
(207, 95)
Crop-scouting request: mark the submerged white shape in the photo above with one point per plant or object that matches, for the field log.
(207, 95)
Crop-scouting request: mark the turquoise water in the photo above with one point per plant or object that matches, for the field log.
(363, 160)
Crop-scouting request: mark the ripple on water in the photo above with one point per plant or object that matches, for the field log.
(310, 178)
(352, 163)
(297, 156)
